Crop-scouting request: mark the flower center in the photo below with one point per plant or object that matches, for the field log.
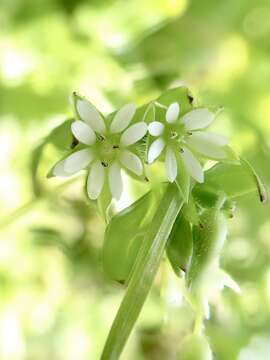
(107, 150)
(174, 135)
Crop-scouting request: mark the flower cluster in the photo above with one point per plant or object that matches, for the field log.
(183, 136)
(107, 147)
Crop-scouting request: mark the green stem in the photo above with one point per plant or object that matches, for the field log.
(22, 210)
(143, 273)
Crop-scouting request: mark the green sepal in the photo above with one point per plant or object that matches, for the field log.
(183, 179)
(262, 192)
(61, 136)
(104, 201)
(179, 248)
(61, 139)
(190, 211)
(208, 240)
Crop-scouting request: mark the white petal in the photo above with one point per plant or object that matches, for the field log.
(214, 138)
(95, 180)
(59, 170)
(173, 112)
(193, 165)
(123, 118)
(171, 165)
(208, 144)
(155, 150)
(133, 134)
(90, 115)
(198, 119)
(78, 160)
(155, 128)
(132, 162)
(83, 132)
(115, 180)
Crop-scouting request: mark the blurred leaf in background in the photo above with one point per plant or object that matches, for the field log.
(55, 300)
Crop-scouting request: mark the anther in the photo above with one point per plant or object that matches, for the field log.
(115, 146)
(181, 150)
(74, 143)
(100, 137)
(103, 163)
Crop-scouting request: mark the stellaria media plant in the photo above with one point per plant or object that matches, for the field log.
(183, 216)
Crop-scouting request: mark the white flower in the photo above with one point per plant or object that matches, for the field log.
(108, 148)
(183, 135)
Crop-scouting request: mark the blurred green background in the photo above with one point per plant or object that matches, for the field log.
(55, 301)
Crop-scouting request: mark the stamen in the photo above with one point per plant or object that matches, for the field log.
(181, 150)
(115, 146)
(103, 163)
(100, 137)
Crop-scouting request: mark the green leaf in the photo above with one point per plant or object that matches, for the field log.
(179, 247)
(61, 139)
(259, 184)
(234, 180)
(124, 235)
(143, 273)
(208, 239)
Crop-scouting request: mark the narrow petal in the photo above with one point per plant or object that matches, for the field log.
(173, 112)
(132, 162)
(83, 132)
(198, 119)
(193, 165)
(115, 180)
(78, 160)
(208, 144)
(90, 115)
(133, 134)
(59, 170)
(155, 128)
(171, 165)
(214, 138)
(155, 149)
(95, 180)
(123, 118)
